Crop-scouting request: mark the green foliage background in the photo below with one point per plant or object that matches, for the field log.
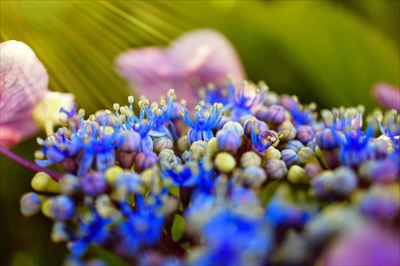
(330, 52)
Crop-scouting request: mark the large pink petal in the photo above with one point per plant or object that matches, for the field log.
(23, 83)
(368, 245)
(149, 69)
(192, 61)
(387, 96)
(208, 54)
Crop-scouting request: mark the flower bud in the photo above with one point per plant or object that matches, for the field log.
(235, 126)
(130, 141)
(145, 160)
(198, 149)
(93, 183)
(183, 143)
(312, 169)
(276, 169)
(162, 143)
(112, 173)
(251, 123)
(126, 184)
(225, 162)
(212, 146)
(289, 157)
(42, 182)
(276, 115)
(187, 156)
(306, 155)
(30, 204)
(69, 184)
(262, 113)
(228, 140)
(272, 153)
(326, 140)
(104, 206)
(250, 158)
(297, 175)
(287, 131)
(61, 208)
(294, 144)
(253, 176)
(305, 133)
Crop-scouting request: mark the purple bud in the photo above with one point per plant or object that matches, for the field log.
(145, 160)
(289, 102)
(384, 171)
(251, 123)
(276, 169)
(130, 141)
(93, 183)
(61, 208)
(30, 204)
(312, 169)
(254, 176)
(276, 114)
(228, 140)
(326, 140)
(289, 157)
(294, 145)
(305, 133)
(262, 113)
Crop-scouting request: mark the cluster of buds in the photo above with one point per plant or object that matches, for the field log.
(253, 179)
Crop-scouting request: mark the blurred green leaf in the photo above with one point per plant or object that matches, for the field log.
(178, 227)
(106, 256)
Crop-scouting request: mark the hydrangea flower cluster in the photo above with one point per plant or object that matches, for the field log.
(247, 177)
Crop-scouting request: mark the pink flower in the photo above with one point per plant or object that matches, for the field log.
(387, 96)
(190, 62)
(24, 88)
(23, 83)
(367, 245)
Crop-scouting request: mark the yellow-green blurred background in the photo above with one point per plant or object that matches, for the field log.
(330, 52)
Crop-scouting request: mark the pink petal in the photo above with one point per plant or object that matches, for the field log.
(208, 54)
(387, 96)
(192, 61)
(23, 83)
(367, 245)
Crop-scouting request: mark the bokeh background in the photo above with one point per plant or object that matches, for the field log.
(330, 52)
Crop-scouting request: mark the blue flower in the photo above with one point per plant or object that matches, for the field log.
(262, 140)
(98, 145)
(354, 148)
(303, 115)
(233, 239)
(183, 175)
(204, 122)
(241, 105)
(283, 214)
(142, 227)
(58, 147)
(95, 230)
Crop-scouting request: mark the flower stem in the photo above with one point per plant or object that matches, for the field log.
(28, 164)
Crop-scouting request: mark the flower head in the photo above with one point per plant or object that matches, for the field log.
(204, 122)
